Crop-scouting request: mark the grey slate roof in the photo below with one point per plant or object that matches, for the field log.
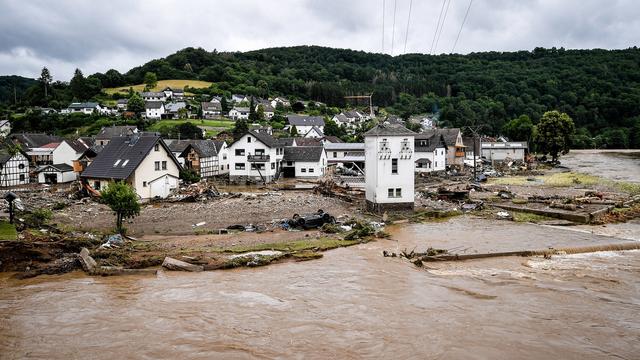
(107, 133)
(434, 140)
(211, 106)
(450, 135)
(86, 105)
(341, 118)
(282, 142)
(308, 141)
(204, 148)
(123, 101)
(130, 150)
(32, 140)
(152, 94)
(389, 130)
(303, 153)
(153, 104)
(174, 107)
(304, 120)
(344, 146)
(77, 145)
(58, 167)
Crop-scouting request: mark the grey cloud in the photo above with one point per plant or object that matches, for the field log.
(96, 36)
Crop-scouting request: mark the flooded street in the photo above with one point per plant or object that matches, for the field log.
(619, 165)
(352, 303)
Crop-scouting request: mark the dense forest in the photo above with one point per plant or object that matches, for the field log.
(598, 89)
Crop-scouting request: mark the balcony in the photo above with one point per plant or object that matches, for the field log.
(258, 158)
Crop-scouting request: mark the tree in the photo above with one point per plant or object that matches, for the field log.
(189, 130)
(45, 79)
(78, 85)
(224, 104)
(554, 134)
(240, 128)
(123, 201)
(252, 110)
(294, 130)
(520, 129)
(136, 104)
(260, 113)
(297, 106)
(150, 80)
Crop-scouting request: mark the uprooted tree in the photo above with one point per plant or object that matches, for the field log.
(554, 134)
(123, 200)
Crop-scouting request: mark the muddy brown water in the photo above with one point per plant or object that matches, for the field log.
(620, 165)
(353, 303)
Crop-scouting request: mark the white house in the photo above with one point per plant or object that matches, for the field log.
(304, 161)
(211, 110)
(84, 108)
(154, 109)
(14, 167)
(208, 158)
(238, 113)
(314, 133)
(153, 96)
(343, 153)
(142, 160)
(173, 93)
(455, 146)
(5, 128)
(282, 101)
(268, 110)
(237, 98)
(255, 156)
(501, 151)
(304, 123)
(389, 168)
(56, 174)
(122, 104)
(430, 152)
(63, 152)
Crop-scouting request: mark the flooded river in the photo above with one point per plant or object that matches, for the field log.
(620, 165)
(352, 303)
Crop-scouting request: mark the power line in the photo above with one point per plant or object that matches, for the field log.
(433, 41)
(461, 25)
(393, 32)
(444, 18)
(406, 35)
(383, 26)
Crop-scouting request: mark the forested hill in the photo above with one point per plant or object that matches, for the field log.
(599, 89)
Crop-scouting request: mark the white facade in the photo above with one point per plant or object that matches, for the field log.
(157, 168)
(314, 133)
(223, 159)
(437, 160)
(5, 128)
(311, 169)
(389, 169)
(500, 151)
(153, 96)
(46, 173)
(249, 158)
(155, 113)
(239, 113)
(15, 171)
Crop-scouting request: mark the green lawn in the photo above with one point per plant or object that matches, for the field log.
(7, 231)
(226, 124)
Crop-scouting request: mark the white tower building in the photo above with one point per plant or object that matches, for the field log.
(389, 168)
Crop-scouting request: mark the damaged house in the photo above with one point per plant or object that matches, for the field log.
(304, 161)
(14, 166)
(208, 158)
(430, 152)
(143, 161)
(256, 156)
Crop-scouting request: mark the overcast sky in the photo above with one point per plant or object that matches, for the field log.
(99, 35)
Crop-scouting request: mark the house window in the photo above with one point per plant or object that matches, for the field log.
(310, 170)
(164, 165)
(303, 170)
(224, 156)
(335, 154)
(345, 154)
(257, 166)
(398, 192)
(21, 175)
(157, 165)
(273, 166)
(436, 164)
(394, 166)
(156, 147)
(144, 184)
(259, 152)
(239, 166)
(239, 152)
(248, 139)
(96, 185)
(289, 163)
(21, 166)
(390, 193)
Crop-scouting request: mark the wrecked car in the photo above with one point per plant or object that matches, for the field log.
(311, 221)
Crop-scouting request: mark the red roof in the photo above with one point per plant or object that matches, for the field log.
(52, 145)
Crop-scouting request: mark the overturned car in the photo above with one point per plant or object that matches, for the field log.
(311, 221)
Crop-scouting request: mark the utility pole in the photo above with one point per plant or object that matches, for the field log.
(475, 130)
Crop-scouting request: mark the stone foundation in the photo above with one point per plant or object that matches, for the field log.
(381, 208)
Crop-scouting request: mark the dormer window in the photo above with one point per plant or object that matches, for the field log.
(117, 162)
(156, 147)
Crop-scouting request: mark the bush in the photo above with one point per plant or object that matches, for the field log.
(189, 176)
(37, 217)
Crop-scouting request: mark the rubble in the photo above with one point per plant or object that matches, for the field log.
(177, 265)
(114, 240)
(88, 263)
